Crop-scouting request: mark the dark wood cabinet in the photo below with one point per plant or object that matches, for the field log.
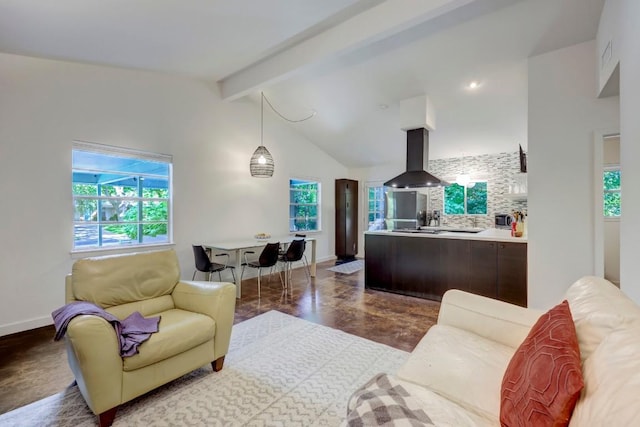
(483, 268)
(454, 263)
(512, 273)
(427, 267)
(346, 224)
(378, 261)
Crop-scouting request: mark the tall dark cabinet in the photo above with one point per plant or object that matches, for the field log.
(346, 219)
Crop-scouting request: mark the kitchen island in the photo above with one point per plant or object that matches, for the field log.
(427, 263)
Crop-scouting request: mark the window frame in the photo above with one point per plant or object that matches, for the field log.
(465, 204)
(139, 198)
(377, 202)
(318, 204)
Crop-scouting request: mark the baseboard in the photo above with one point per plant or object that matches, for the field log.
(12, 328)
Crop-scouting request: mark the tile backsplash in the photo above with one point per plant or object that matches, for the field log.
(500, 171)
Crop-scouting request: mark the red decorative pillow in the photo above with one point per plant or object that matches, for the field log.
(543, 380)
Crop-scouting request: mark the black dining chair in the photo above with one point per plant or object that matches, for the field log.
(304, 255)
(267, 259)
(294, 253)
(205, 265)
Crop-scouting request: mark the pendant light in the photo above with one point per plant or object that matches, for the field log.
(261, 164)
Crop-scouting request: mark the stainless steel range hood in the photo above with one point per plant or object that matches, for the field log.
(416, 175)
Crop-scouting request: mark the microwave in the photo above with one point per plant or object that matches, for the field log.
(504, 221)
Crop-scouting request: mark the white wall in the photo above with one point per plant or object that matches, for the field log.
(45, 105)
(630, 147)
(563, 114)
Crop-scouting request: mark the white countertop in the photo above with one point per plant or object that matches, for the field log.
(491, 234)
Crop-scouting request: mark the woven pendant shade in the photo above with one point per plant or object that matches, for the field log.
(261, 164)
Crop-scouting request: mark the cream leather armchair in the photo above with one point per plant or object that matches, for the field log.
(194, 330)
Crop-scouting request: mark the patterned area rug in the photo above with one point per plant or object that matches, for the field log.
(280, 371)
(348, 267)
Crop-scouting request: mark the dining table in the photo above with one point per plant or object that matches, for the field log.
(238, 247)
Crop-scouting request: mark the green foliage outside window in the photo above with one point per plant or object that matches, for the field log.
(303, 205)
(454, 200)
(611, 196)
(477, 199)
(459, 200)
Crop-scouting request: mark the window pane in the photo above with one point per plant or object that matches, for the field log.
(119, 191)
(477, 199)
(611, 180)
(85, 210)
(454, 200)
(155, 233)
(85, 235)
(612, 204)
(155, 192)
(155, 211)
(116, 234)
(85, 190)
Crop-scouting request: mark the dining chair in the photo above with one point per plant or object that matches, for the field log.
(294, 253)
(268, 258)
(204, 263)
(304, 255)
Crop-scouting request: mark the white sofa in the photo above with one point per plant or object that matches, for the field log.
(456, 371)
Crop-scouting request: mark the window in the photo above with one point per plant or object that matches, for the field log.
(611, 181)
(304, 205)
(375, 216)
(459, 200)
(120, 197)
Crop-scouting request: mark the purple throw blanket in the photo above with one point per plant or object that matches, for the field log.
(131, 332)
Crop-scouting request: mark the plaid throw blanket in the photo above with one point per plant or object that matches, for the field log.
(384, 402)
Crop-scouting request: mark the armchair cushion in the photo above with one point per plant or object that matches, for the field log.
(121, 279)
(180, 330)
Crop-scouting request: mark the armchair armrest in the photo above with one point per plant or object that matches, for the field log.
(214, 299)
(496, 320)
(92, 342)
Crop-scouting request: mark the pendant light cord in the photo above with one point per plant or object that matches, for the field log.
(264, 98)
(262, 120)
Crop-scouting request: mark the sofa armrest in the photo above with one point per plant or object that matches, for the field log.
(214, 299)
(91, 343)
(496, 320)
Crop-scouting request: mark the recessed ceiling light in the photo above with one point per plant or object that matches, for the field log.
(473, 85)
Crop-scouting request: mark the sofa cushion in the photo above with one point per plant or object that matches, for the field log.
(461, 366)
(180, 331)
(543, 380)
(120, 279)
(598, 307)
(612, 382)
(444, 412)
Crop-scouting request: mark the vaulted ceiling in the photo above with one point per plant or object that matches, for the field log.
(351, 61)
